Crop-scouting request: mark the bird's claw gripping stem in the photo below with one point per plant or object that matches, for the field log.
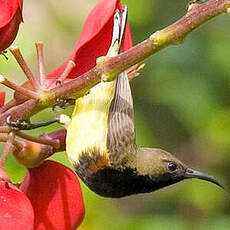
(27, 125)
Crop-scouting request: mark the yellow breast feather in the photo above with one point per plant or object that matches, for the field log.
(88, 127)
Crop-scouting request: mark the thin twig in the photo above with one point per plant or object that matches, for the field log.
(7, 148)
(41, 65)
(134, 71)
(70, 65)
(8, 106)
(42, 140)
(29, 93)
(21, 61)
(16, 112)
(16, 143)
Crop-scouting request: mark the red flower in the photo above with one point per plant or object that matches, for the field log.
(16, 212)
(10, 18)
(2, 98)
(53, 189)
(56, 197)
(95, 39)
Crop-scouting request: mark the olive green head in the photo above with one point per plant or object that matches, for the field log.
(165, 169)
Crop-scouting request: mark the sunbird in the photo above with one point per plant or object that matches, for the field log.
(100, 141)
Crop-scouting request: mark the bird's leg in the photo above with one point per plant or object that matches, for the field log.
(17, 126)
(27, 125)
(63, 103)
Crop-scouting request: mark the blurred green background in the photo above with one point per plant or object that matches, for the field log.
(182, 104)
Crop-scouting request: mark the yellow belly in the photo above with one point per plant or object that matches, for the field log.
(89, 123)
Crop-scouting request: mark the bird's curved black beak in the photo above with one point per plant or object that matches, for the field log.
(191, 173)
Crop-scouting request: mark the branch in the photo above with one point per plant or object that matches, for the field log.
(171, 35)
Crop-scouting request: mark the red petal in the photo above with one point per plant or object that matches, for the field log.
(94, 40)
(8, 9)
(8, 32)
(16, 212)
(2, 98)
(55, 194)
(128, 43)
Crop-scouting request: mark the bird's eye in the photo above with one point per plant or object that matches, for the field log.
(172, 166)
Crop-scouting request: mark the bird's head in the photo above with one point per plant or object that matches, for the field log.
(164, 169)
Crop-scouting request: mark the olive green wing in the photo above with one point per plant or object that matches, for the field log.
(121, 132)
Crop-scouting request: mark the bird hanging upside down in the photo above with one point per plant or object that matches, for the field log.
(101, 140)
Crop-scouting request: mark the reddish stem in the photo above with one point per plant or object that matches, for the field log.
(7, 148)
(67, 70)
(21, 61)
(16, 143)
(29, 93)
(41, 65)
(8, 106)
(41, 139)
